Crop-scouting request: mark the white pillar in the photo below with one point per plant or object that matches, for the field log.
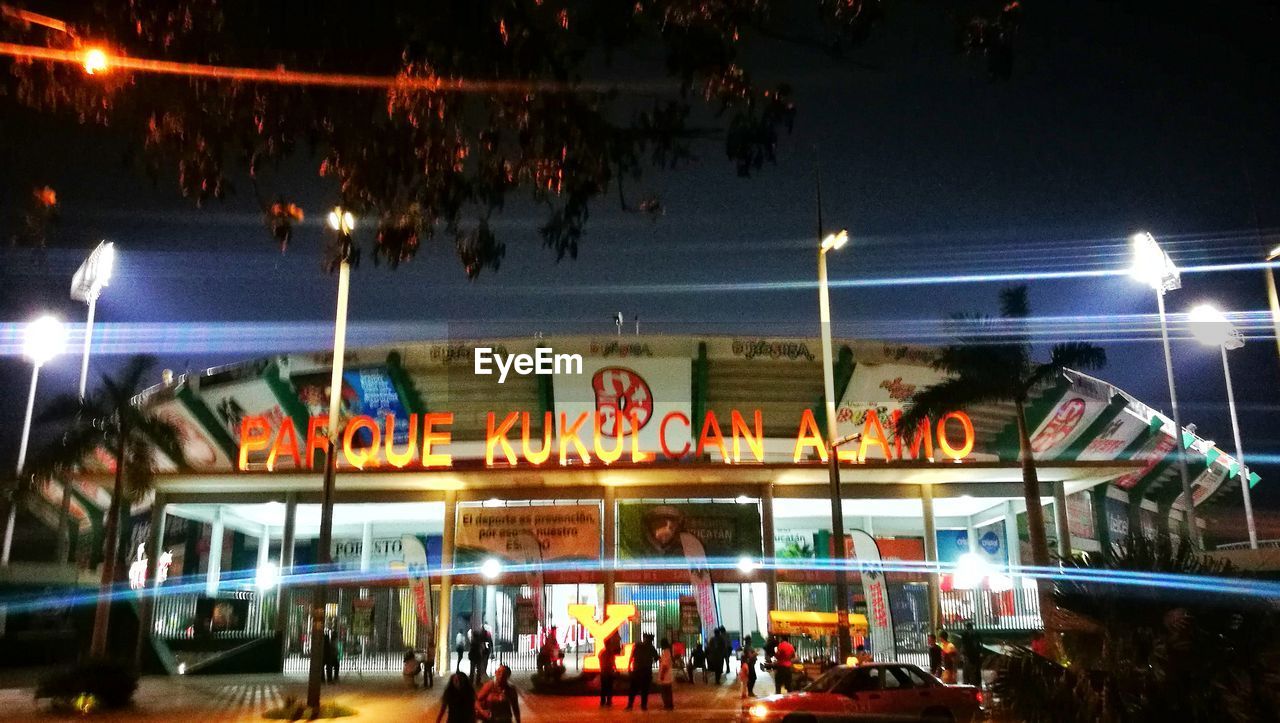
(972, 532)
(264, 547)
(931, 555)
(444, 614)
(1011, 542)
(214, 572)
(366, 546)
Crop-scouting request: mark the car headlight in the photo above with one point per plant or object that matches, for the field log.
(759, 710)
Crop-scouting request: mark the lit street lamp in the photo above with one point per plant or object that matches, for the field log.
(1153, 267)
(1211, 328)
(43, 340)
(90, 279)
(342, 222)
(833, 242)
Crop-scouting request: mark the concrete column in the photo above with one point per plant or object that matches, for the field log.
(444, 623)
(214, 573)
(264, 547)
(972, 532)
(770, 551)
(366, 546)
(1012, 544)
(146, 606)
(286, 569)
(931, 554)
(1061, 525)
(610, 537)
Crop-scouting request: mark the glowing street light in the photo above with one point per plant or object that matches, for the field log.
(1212, 328)
(95, 61)
(491, 569)
(746, 565)
(1153, 267)
(43, 340)
(833, 242)
(90, 279)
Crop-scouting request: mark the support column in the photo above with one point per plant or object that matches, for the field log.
(972, 532)
(214, 573)
(444, 622)
(1011, 542)
(610, 537)
(1060, 522)
(931, 555)
(286, 570)
(770, 551)
(64, 526)
(366, 546)
(146, 606)
(264, 548)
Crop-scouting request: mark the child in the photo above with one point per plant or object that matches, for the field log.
(411, 668)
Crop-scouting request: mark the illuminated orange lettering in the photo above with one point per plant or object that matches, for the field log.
(498, 437)
(536, 458)
(944, 444)
(400, 460)
(286, 443)
(615, 615)
(662, 434)
(317, 438)
(431, 437)
(608, 456)
(923, 435)
(872, 433)
(569, 435)
(637, 455)
(711, 433)
(809, 436)
(740, 432)
(365, 458)
(255, 436)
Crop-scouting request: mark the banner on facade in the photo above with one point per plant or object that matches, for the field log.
(882, 388)
(529, 534)
(234, 401)
(362, 616)
(723, 531)
(952, 544)
(1069, 419)
(620, 390)
(704, 594)
(1206, 483)
(526, 616)
(876, 594)
(201, 452)
(690, 623)
(1114, 438)
(386, 553)
(415, 563)
(992, 545)
(368, 391)
(1080, 519)
(1117, 519)
(1152, 453)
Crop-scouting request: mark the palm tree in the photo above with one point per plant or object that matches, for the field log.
(984, 370)
(108, 421)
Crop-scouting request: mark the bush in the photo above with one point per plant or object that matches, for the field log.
(295, 709)
(85, 686)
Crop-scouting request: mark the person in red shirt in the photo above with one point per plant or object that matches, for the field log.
(784, 659)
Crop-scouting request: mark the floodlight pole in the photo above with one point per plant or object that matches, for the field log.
(1193, 529)
(1244, 471)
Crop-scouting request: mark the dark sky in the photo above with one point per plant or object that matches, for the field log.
(1118, 117)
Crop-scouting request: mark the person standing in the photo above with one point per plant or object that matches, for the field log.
(698, 659)
(949, 658)
(411, 668)
(330, 657)
(458, 701)
(666, 675)
(971, 644)
(784, 659)
(747, 671)
(935, 657)
(642, 659)
(715, 655)
(608, 658)
(481, 647)
(460, 644)
(498, 700)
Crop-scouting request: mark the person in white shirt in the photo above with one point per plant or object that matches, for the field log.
(666, 675)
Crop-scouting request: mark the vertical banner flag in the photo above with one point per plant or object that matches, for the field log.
(704, 590)
(415, 562)
(879, 612)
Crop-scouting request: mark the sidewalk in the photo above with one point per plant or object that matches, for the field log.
(377, 698)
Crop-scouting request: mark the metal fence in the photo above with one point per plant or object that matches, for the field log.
(1015, 609)
(242, 614)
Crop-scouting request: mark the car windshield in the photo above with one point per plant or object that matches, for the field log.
(827, 682)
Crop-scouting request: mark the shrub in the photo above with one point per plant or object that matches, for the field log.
(105, 683)
(294, 708)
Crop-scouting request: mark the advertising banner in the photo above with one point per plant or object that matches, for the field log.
(1206, 483)
(951, 545)
(367, 391)
(362, 616)
(415, 563)
(1114, 439)
(992, 545)
(1068, 420)
(1117, 519)
(883, 388)
(387, 553)
(234, 401)
(526, 617)
(529, 534)
(1080, 515)
(1152, 453)
(201, 451)
(647, 388)
(647, 530)
(690, 623)
(876, 593)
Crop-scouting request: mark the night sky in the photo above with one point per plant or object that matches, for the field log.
(1118, 117)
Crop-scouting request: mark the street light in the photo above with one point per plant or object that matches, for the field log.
(1271, 293)
(43, 339)
(341, 221)
(1211, 328)
(833, 242)
(1153, 267)
(89, 280)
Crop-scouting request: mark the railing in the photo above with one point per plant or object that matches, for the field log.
(1262, 545)
(1015, 609)
(177, 616)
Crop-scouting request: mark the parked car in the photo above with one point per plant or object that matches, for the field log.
(878, 691)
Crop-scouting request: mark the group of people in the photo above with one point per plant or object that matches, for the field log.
(946, 659)
(497, 700)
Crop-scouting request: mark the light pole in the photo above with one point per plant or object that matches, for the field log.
(342, 222)
(43, 339)
(1211, 328)
(833, 242)
(1271, 294)
(1153, 267)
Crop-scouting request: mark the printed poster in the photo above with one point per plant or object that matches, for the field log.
(366, 391)
(1152, 453)
(1068, 420)
(647, 530)
(529, 534)
(1114, 439)
(648, 388)
(884, 388)
(198, 447)
(234, 401)
(1080, 519)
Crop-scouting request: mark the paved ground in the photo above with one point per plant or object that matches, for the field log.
(376, 697)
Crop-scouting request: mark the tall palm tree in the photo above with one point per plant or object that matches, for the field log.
(998, 368)
(107, 421)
